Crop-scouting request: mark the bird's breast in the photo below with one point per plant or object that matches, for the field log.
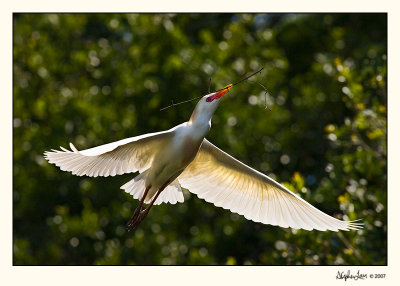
(174, 157)
(190, 147)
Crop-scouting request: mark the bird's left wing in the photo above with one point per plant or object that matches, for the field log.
(124, 156)
(226, 182)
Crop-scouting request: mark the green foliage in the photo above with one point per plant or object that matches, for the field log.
(97, 78)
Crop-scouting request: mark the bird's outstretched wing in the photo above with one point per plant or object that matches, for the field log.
(124, 156)
(226, 182)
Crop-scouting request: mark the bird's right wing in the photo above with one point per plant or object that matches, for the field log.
(226, 182)
(124, 156)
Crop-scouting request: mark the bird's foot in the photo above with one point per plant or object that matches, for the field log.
(136, 219)
(134, 216)
(139, 214)
(137, 211)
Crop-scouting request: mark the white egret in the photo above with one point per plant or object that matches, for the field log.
(182, 157)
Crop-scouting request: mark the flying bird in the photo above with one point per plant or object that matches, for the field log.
(182, 157)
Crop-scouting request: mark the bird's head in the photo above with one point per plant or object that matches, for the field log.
(207, 105)
(217, 95)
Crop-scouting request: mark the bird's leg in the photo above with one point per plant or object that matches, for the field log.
(143, 213)
(139, 214)
(138, 208)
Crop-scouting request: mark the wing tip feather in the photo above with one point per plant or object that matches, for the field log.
(73, 148)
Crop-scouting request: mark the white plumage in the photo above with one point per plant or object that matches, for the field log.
(182, 157)
(116, 158)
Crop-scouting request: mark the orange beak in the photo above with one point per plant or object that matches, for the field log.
(220, 93)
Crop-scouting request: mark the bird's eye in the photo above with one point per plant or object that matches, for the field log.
(208, 99)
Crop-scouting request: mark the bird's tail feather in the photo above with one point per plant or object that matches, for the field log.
(171, 194)
(136, 186)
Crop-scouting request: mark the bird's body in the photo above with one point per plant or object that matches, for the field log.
(170, 161)
(182, 156)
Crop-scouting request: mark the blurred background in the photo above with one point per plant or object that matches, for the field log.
(92, 79)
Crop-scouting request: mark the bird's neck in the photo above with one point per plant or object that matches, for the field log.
(201, 122)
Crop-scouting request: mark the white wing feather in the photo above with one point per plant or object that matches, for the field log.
(226, 182)
(116, 158)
